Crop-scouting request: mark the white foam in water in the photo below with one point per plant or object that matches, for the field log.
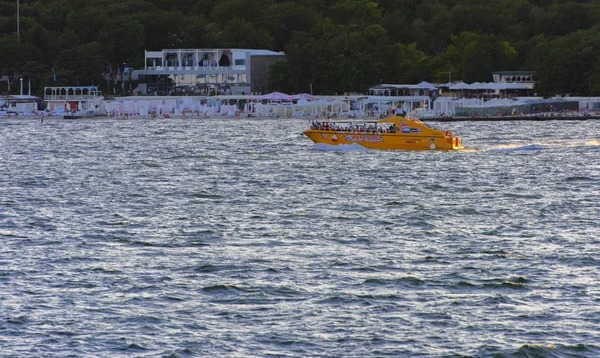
(579, 143)
(592, 142)
(516, 147)
(541, 146)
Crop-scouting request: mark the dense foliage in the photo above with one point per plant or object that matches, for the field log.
(335, 45)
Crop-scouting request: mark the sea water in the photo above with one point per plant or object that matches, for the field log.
(242, 238)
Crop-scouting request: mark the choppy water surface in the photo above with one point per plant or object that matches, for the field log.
(238, 238)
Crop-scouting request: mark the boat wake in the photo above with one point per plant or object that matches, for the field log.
(522, 147)
(516, 148)
(592, 143)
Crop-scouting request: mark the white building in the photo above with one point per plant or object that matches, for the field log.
(405, 97)
(82, 99)
(205, 71)
(521, 77)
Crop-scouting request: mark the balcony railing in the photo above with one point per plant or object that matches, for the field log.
(197, 68)
(71, 97)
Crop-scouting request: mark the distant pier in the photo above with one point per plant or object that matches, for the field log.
(509, 118)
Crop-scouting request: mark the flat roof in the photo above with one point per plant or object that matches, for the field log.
(260, 52)
(386, 86)
(21, 98)
(514, 73)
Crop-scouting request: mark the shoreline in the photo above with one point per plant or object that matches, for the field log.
(542, 118)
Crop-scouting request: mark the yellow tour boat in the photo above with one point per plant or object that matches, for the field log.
(394, 133)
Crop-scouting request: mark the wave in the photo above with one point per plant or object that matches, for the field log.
(403, 281)
(205, 195)
(578, 178)
(210, 268)
(551, 350)
(14, 234)
(224, 288)
(531, 350)
(135, 346)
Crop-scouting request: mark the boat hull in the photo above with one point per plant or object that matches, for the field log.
(396, 133)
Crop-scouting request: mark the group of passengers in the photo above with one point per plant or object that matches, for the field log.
(354, 128)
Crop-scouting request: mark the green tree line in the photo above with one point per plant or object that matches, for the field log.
(335, 45)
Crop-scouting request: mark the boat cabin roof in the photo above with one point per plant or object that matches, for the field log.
(391, 120)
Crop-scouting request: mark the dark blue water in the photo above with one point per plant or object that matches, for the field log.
(206, 238)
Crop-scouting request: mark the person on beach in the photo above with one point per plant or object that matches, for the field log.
(42, 118)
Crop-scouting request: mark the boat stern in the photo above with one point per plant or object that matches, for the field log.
(455, 143)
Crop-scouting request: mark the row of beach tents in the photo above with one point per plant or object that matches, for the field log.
(285, 105)
(486, 86)
(272, 104)
(282, 97)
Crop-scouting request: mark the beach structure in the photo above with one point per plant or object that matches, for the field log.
(400, 97)
(505, 84)
(281, 105)
(86, 100)
(205, 71)
(486, 90)
(270, 105)
(19, 104)
(167, 106)
(526, 78)
(522, 106)
(423, 100)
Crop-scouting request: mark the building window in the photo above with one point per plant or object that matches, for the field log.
(240, 62)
